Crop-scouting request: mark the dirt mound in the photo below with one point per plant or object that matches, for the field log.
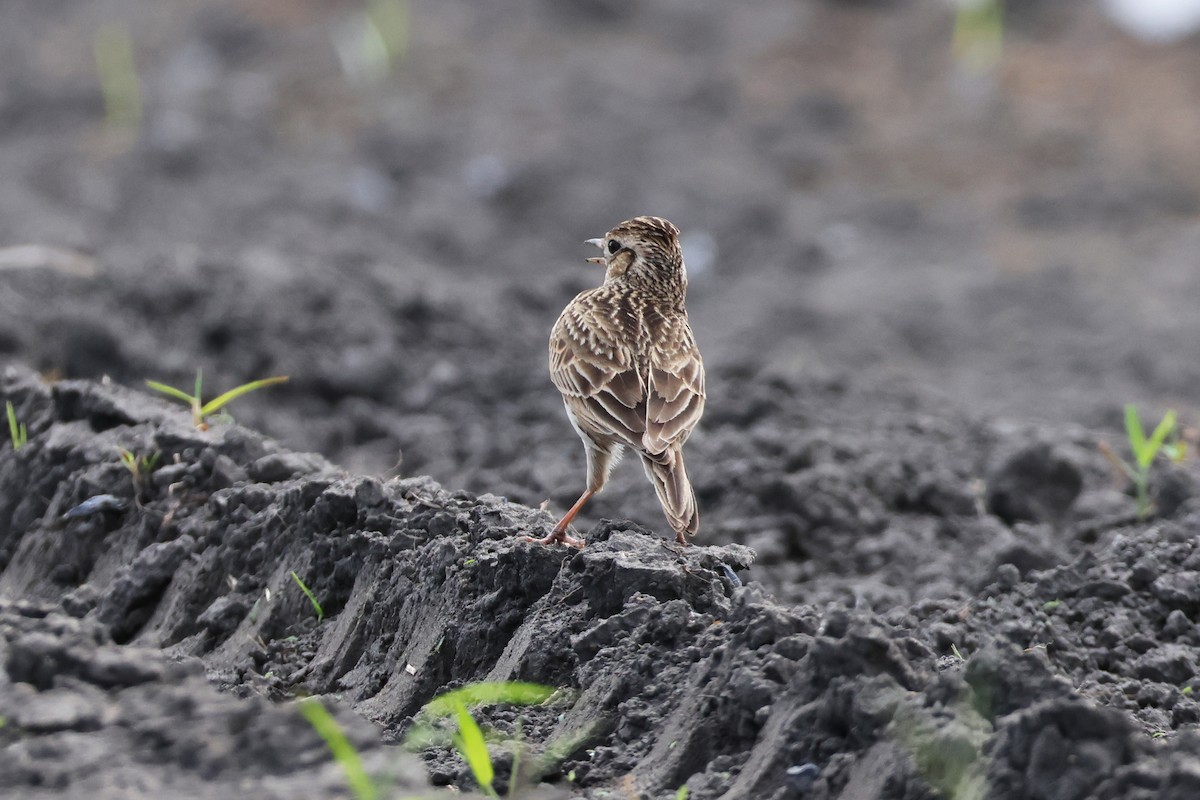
(87, 718)
(681, 674)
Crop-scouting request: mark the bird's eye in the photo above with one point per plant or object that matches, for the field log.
(613, 246)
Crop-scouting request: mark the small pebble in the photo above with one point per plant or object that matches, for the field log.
(1177, 624)
(97, 504)
(801, 777)
(1007, 576)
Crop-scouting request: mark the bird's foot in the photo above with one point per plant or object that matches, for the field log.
(557, 537)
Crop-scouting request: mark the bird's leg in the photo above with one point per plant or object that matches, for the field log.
(559, 534)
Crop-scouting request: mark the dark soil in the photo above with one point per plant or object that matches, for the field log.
(924, 294)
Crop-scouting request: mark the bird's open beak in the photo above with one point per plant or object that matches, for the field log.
(595, 259)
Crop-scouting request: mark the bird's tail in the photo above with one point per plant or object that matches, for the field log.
(674, 490)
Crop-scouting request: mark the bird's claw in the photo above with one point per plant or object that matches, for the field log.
(557, 537)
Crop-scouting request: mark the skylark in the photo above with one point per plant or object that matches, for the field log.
(625, 360)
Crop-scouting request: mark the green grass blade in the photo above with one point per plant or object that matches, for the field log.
(344, 752)
(178, 394)
(311, 597)
(199, 378)
(424, 735)
(16, 431)
(1157, 438)
(390, 19)
(233, 394)
(119, 84)
(560, 748)
(1133, 429)
(979, 34)
(488, 693)
(471, 744)
(514, 774)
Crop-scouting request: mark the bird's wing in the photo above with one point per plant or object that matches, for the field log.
(675, 387)
(598, 375)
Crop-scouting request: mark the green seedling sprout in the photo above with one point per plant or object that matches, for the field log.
(682, 793)
(17, 431)
(389, 19)
(515, 773)
(954, 765)
(311, 597)
(1144, 451)
(201, 410)
(139, 467)
(470, 740)
(372, 41)
(978, 34)
(118, 77)
(470, 743)
(343, 752)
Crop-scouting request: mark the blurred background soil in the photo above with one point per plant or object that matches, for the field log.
(885, 206)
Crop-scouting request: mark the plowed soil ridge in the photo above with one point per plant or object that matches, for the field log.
(121, 591)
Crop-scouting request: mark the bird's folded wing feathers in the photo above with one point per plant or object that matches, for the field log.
(675, 394)
(603, 390)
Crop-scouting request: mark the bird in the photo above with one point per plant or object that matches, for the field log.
(626, 362)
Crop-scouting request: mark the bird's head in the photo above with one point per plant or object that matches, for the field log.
(643, 250)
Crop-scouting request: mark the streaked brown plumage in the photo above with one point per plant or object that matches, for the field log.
(625, 360)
